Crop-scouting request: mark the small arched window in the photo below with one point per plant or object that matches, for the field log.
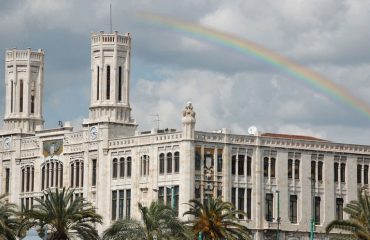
(11, 96)
(161, 163)
(169, 162)
(115, 168)
(21, 95)
(121, 167)
(97, 82)
(128, 160)
(120, 83)
(108, 83)
(177, 162)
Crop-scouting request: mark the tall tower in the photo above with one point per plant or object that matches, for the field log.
(24, 81)
(110, 83)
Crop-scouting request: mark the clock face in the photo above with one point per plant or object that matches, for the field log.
(93, 132)
(7, 142)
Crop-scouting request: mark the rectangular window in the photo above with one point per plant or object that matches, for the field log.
(269, 206)
(233, 196)
(168, 196)
(32, 104)
(266, 167)
(343, 172)
(121, 202)
(359, 173)
(233, 165)
(293, 208)
(169, 162)
(290, 168)
(128, 204)
(241, 165)
(7, 180)
(161, 194)
(176, 198)
(296, 169)
(317, 210)
(336, 166)
(93, 175)
(197, 193)
(273, 163)
(114, 205)
(97, 83)
(339, 209)
(313, 170)
(120, 83)
(249, 166)
(241, 193)
(219, 192)
(108, 83)
(319, 171)
(121, 167)
(249, 203)
(366, 174)
(197, 159)
(219, 161)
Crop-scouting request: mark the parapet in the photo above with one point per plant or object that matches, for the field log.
(24, 55)
(110, 38)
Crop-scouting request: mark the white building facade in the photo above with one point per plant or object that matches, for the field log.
(280, 181)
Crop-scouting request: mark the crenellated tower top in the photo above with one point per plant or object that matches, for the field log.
(24, 81)
(110, 82)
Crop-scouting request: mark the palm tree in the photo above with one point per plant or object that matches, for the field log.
(63, 216)
(9, 222)
(216, 219)
(358, 224)
(158, 222)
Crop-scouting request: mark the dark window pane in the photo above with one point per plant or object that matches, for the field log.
(269, 204)
(296, 169)
(319, 169)
(290, 168)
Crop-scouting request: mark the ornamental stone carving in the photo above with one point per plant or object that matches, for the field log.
(188, 111)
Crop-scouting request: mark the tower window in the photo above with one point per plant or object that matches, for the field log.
(177, 162)
(169, 162)
(97, 82)
(296, 169)
(120, 83)
(108, 83)
(290, 168)
(21, 95)
(7, 180)
(93, 172)
(11, 96)
(339, 209)
(33, 97)
(115, 168)
(269, 206)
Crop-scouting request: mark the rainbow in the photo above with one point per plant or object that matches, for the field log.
(247, 47)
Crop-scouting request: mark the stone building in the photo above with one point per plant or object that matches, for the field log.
(280, 181)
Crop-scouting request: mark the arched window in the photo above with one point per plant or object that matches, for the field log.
(21, 95)
(11, 96)
(97, 82)
(169, 162)
(108, 83)
(177, 162)
(296, 169)
(33, 97)
(51, 174)
(27, 178)
(343, 172)
(128, 160)
(161, 163)
(241, 161)
(120, 83)
(121, 167)
(144, 165)
(115, 168)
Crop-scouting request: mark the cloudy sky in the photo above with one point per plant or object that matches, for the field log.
(228, 89)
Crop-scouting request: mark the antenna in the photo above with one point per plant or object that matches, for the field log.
(110, 17)
(157, 119)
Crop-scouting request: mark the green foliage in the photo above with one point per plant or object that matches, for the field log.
(9, 221)
(358, 224)
(216, 219)
(62, 216)
(158, 222)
